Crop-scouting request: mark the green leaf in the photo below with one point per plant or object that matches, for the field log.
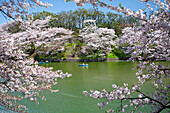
(120, 5)
(67, 0)
(143, 9)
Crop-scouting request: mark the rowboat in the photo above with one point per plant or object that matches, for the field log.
(40, 62)
(47, 62)
(83, 65)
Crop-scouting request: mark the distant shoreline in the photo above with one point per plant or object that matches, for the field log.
(79, 60)
(88, 60)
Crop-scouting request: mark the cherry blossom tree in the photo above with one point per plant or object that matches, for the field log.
(147, 42)
(20, 76)
(37, 32)
(97, 38)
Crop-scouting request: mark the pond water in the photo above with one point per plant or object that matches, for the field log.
(70, 99)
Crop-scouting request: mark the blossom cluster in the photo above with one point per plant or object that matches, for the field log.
(146, 45)
(98, 38)
(18, 8)
(139, 14)
(123, 93)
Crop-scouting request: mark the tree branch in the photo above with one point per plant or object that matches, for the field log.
(151, 98)
(7, 14)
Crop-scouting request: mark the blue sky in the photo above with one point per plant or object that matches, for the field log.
(60, 5)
